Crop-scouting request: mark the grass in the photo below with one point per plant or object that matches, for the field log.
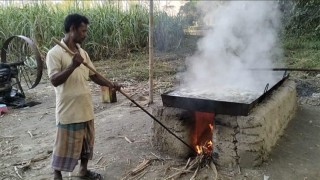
(112, 32)
(302, 53)
(135, 68)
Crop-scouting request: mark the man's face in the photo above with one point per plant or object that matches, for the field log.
(80, 33)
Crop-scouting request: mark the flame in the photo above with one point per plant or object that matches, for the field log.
(203, 132)
(211, 127)
(198, 149)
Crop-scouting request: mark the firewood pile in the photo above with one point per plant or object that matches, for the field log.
(194, 166)
(197, 167)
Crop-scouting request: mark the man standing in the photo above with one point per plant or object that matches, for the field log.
(74, 109)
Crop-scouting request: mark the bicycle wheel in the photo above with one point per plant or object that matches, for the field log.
(22, 52)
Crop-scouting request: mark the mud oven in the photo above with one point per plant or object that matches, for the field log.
(234, 133)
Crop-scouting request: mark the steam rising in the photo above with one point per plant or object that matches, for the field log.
(243, 36)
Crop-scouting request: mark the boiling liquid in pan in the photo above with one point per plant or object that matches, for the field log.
(230, 95)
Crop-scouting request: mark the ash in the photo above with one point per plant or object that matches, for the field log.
(230, 95)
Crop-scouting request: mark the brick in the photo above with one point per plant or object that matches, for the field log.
(225, 133)
(249, 159)
(226, 120)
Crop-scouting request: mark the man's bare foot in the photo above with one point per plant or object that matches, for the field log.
(91, 175)
(82, 171)
(57, 175)
(83, 167)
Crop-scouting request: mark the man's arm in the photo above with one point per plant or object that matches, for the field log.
(101, 81)
(61, 77)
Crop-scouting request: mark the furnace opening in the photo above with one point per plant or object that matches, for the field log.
(202, 132)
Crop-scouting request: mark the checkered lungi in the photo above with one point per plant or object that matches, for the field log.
(73, 142)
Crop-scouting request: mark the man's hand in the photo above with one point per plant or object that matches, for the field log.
(77, 60)
(60, 77)
(117, 86)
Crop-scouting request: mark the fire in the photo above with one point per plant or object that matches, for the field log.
(203, 132)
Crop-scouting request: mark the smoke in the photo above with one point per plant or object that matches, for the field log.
(243, 36)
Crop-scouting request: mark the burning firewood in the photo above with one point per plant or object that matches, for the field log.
(203, 159)
(188, 167)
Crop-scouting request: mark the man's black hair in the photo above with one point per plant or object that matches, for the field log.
(74, 19)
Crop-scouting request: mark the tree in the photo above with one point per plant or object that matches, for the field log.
(190, 12)
(303, 18)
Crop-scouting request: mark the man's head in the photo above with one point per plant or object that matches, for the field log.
(76, 26)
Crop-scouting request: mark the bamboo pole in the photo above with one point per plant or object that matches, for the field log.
(151, 27)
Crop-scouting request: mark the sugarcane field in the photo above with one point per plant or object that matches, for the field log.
(159, 90)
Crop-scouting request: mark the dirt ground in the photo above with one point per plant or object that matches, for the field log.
(123, 134)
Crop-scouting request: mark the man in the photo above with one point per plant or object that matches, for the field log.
(74, 109)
